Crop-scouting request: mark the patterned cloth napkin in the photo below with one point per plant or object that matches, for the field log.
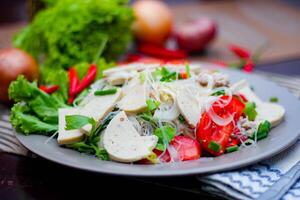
(247, 183)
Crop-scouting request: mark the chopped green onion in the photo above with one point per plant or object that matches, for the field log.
(188, 71)
(142, 77)
(218, 93)
(214, 146)
(250, 111)
(181, 118)
(232, 149)
(262, 131)
(105, 92)
(273, 99)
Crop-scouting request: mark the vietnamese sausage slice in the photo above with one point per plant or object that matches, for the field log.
(123, 143)
(99, 106)
(67, 136)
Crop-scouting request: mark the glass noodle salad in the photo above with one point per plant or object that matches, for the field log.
(151, 113)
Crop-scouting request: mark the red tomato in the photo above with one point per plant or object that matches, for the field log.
(208, 131)
(183, 75)
(187, 148)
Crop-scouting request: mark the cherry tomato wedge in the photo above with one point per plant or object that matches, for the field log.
(213, 137)
(187, 148)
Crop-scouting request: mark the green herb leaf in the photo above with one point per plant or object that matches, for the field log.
(78, 121)
(165, 135)
(250, 111)
(218, 93)
(152, 104)
(263, 130)
(142, 77)
(273, 99)
(214, 146)
(181, 119)
(188, 71)
(164, 75)
(105, 92)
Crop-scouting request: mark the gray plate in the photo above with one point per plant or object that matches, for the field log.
(279, 139)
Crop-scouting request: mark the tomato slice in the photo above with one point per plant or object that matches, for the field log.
(213, 137)
(187, 148)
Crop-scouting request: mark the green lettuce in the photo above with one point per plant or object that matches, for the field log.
(73, 31)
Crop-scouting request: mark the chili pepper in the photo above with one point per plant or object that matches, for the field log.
(87, 79)
(49, 89)
(161, 52)
(249, 66)
(73, 83)
(240, 51)
(73, 80)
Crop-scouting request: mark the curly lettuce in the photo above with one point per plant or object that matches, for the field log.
(73, 31)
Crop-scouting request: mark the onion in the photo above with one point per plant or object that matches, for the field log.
(195, 35)
(14, 62)
(153, 21)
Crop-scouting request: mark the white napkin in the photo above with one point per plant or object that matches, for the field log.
(252, 181)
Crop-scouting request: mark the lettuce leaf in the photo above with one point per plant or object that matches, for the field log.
(35, 111)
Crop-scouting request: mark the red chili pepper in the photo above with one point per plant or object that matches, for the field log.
(49, 89)
(161, 52)
(88, 79)
(249, 66)
(240, 51)
(73, 83)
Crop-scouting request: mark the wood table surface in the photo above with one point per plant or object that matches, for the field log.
(248, 23)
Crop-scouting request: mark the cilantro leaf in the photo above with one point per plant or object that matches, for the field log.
(165, 135)
(250, 111)
(152, 104)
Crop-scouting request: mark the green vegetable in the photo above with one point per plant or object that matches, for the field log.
(188, 71)
(152, 104)
(90, 143)
(250, 111)
(263, 130)
(42, 104)
(214, 146)
(71, 31)
(147, 116)
(24, 122)
(80, 97)
(273, 99)
(165, 135)
(164, 75)
(34, 108)
(232, 149)
(142, 77)
(181, 118)
(218, 93)
(105, 92)
(52, 76)
(78, 121)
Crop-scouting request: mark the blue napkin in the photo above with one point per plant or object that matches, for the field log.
(251, 182)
